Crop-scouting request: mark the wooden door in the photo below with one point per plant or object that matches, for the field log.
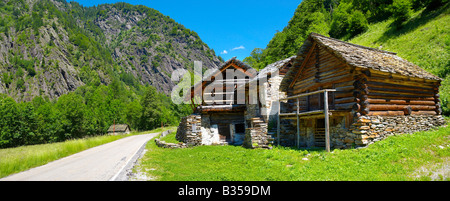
(224, 132)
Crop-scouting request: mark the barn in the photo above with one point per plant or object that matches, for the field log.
(218, 116)
(234, 110)
(119, 129)
(342, 95)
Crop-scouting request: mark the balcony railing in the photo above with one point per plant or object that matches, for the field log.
(298, 114)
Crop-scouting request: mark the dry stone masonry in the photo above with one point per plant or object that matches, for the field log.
(369, 129)
(189, 131)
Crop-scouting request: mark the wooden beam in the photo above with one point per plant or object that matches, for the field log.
(298, 123)
(386, 113)
(327, 122)
(308, 94)
(303, 113)
(400, 96)
(278, 123)
(377, 107)
(400, 102)
(303, 64)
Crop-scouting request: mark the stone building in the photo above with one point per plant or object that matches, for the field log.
(219, 115)
(238, 109)
(332, 94)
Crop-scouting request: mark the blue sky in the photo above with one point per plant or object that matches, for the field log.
(231, 28)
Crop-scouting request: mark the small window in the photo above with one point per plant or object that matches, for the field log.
(239, 128)
(194, 128)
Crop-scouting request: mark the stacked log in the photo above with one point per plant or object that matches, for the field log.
(360, 94)
(437, 100)
(402, 96)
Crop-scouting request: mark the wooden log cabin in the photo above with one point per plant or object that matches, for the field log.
(224, 116)
(370, 93)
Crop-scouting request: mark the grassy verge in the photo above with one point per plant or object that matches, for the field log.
(171, 137)
(395, 158)
(14, 160)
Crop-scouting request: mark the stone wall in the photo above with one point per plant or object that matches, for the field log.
(164, 144)
(210, 133)
(189, 130)
(256, 138)
(368, 129)
(363, 131)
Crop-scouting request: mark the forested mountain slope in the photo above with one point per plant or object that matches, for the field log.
(68, 71)
(51, 47)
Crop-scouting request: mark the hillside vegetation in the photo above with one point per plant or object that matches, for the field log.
(423, 40)
(51, 47)
(418, 30)
(68, 71)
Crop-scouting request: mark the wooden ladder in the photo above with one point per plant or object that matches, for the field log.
(319, 137)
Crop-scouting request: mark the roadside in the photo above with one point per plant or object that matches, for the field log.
(101, 163)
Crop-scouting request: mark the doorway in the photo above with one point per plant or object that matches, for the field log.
(224, 133)
(319, 133)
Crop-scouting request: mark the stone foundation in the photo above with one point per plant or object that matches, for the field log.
(363, 131)
(164, 144)
(189, 130)
(369, 129)
(256, 138)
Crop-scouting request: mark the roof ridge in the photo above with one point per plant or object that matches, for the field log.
(352, 44)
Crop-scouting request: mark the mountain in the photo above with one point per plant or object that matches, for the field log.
(52, 47)
(418, 30)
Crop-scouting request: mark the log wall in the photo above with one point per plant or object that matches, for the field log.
(367, 92)
(388, 95)
(322, 70)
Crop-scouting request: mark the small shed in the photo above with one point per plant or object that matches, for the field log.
(121, 129)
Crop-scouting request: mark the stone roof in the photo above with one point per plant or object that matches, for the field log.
(360, 57)
(119, 128)
(276, 66)
(271, 68)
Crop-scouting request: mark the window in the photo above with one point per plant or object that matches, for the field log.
(239, 128)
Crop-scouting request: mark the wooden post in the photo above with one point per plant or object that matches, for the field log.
(327, 122)
(278, 123)
(298, 123)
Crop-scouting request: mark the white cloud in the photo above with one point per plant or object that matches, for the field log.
(224, 52)
(238, 48)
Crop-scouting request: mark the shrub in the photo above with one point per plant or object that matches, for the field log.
(401, 10)
(357, 23)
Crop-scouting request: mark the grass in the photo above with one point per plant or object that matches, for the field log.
(14, 160)
(395, 158)
(423, 40)
(170, 138)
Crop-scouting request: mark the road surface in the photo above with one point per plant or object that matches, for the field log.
(107, 162)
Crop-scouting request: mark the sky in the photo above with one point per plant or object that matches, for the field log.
(232, 28)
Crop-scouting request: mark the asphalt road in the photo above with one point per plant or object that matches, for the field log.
(108, 162)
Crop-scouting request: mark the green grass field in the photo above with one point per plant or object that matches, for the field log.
(14, 160)
(395, 158)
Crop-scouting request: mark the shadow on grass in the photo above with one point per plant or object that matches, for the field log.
(397, 28)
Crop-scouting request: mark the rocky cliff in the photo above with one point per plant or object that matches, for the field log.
(49, 48)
